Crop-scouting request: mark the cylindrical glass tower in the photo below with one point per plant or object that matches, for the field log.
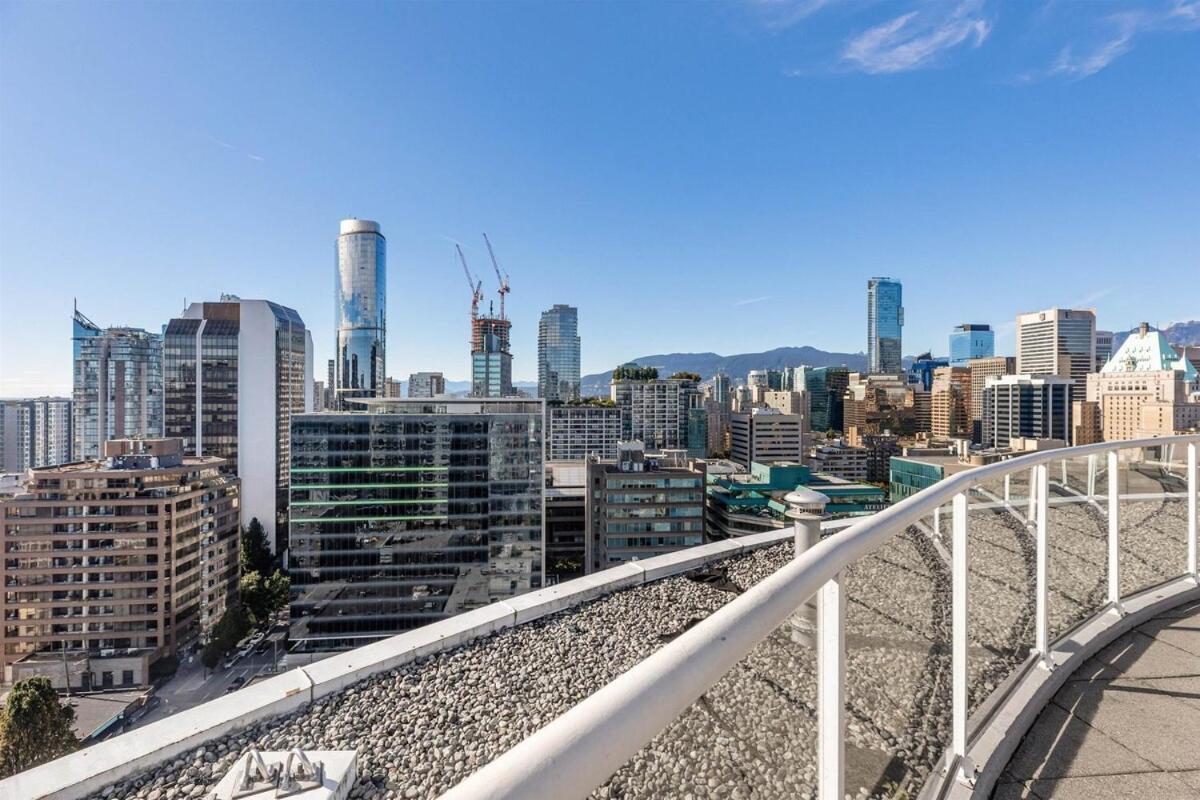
(361, 313)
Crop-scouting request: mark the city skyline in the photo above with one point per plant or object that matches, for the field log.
(1010, 172)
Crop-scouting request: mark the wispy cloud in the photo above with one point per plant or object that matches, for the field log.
(1092, 297)
(253, 157)
(752, 300)
(914, 40)
(780, 14)
(1115, 37)
(220, 142)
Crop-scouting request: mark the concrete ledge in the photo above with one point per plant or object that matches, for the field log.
(992, 746)
(90, 770)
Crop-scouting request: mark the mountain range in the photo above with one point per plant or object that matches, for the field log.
(1179, 333)
(736, 366)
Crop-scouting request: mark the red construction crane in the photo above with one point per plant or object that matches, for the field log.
(501, 279)
(476, 285)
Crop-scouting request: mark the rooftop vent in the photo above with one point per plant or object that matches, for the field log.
(294, 774)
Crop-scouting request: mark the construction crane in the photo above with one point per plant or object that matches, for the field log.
(476, 285)
(501, 279)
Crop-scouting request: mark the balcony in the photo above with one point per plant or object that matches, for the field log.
(916, 650)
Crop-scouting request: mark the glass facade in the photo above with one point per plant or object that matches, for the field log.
(969, 342)
(361, 310)
(558, 354)
(412, 512)
(826, 388)
(212, 344)
(885, 318)
(118, 385)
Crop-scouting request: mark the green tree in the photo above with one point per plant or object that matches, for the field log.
(211, 655)
(256, 600)
(35, 727)
(278, 588)
(233, 625)
(255, 554)
(686, 376)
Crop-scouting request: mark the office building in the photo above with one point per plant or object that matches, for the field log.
(558, 354)
(826, 387)
(920, 372)
(113, 564)
(426, 384)
(118, 385)
(1026, 406)
(411, 512)
(577, 431)
(319, 396)
(697, 431)
(950, 403)
(877, 403)
(1058, 341)
(35, 432)
(491, 359)
(969, 342)
(981, 369)
(236, 372)
(361, 311)
(880, 448)
(840, 460)
(885, 319)
(655, 410)
(910, 473)
(566, 519)
(1146, 389)
(766, 435)
(1104, 348)
(330, 386)
(641, 506)
(393, 388)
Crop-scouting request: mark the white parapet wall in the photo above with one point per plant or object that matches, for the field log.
(90, 770)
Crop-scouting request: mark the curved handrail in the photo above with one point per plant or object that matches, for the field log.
(588, 743)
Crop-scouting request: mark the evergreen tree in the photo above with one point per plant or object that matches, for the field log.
(255, 554)
(35, 727)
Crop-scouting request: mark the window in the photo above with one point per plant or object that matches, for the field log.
(127, 677)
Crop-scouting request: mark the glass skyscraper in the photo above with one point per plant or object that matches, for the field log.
(885, 318)
(118, 385)
(411, 512)
(558, 354)
(969, 342)
(826, 387)
(361, 312)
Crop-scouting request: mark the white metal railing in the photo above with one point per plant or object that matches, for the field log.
(585, 746)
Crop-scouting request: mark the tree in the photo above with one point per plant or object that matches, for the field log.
(229, 630)
(255, 597)
(35, 727)
(211, 655)
(279, 589)
(255, 555)
(694, 377)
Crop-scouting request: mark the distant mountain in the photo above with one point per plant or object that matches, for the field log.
(708, 364)
(1179, 333)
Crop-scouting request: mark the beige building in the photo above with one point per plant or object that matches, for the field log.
(130, 558)
(1058, 341)
(950, 403)
(1146, 389)
(981, 369)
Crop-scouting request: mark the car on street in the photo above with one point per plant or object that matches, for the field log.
(238, 683)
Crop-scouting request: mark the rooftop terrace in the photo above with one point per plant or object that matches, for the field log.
(705, 673)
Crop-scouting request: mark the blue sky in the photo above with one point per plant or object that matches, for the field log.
(692, 176)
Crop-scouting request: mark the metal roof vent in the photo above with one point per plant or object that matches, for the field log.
(312, 775)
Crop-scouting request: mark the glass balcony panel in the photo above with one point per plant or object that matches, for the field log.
(1153, 514)
(1077, 546)
(898, 662)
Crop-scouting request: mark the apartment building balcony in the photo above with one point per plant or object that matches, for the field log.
(1015, 625)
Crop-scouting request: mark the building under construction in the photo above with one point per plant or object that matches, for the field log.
(491, 357)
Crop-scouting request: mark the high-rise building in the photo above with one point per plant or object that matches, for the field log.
(319, 396)
(950, 403)
(1146, 389)
(236, 371)
(641, 506)
(412, 512)
(118, 385)
(491, 358)
(576, 432)
(392, 388)
(880, 448)
(330, 400)
(885, 319)
(566, 519)
(108, 594)
(1026, 406)
(1104, 348)
(970, 341)
(361, 311)
(558, 354)
(920, 372)
(839, 460)
(697, 430)
(35, 432)
(767, 435)
(1057, 341)
(655, 410)
(426, 384)
(826, 387)
(981, 369)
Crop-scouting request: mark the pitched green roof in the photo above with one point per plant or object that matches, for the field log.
(1148, 352)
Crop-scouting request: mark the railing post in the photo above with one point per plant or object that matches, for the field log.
(958, 634)
(1007, 487)
(1033, 490)
(1042, 608)
(937, 521)
(1091, 476)
(1114, 532)
(831, 690)
(1192, 480)
(1064, 473)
